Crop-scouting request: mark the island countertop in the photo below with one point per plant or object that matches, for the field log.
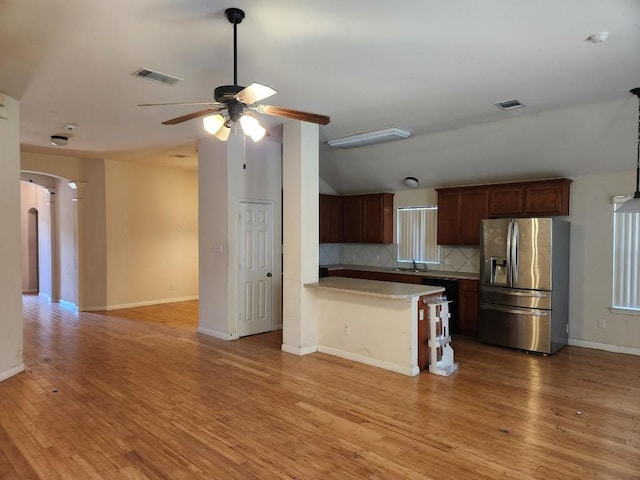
(375, 288)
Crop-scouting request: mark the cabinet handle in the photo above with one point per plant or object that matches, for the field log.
(269, 274)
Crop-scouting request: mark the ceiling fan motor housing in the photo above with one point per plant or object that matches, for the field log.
(226, 93)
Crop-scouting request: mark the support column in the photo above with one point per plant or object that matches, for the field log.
(300, 236)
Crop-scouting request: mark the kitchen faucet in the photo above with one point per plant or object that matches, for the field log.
(415, 267)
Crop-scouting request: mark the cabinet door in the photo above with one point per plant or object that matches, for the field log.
(468, 309)
(505, 200)
(352, 219)
(377, 218)
(449, 217)
(547, 198)
(330, 219)
(473, 208)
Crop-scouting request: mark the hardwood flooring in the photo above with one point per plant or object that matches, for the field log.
(138, 394)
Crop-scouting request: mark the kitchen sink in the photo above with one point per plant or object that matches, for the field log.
(412, 270)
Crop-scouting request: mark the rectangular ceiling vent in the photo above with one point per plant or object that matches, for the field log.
(156, 76)
(509, 104)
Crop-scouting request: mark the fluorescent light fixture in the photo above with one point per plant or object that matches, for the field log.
(367, 138)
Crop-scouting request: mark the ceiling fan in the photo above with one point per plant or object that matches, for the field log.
(239, 102)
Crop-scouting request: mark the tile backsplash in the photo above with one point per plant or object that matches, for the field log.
(453, 259)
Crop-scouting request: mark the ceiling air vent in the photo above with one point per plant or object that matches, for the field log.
(156, 76)
(509, 104)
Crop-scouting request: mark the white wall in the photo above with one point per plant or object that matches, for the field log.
(10, 268)
(223, 180)
(591, 269)
(150, 234)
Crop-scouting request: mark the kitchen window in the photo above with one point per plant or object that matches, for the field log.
(417, 234)
(626, 260)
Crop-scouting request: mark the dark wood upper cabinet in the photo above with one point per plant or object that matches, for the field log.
(474, 207)
(529, 199)
(459, 213)
(368, 218)
(331, 219)
(505, 200)
(449, 203)
(352, 219)
(460, 209)
(547, 198)
(356, 218)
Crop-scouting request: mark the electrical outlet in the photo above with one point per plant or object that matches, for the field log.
(602, 323)
(447, 261)
(347, 330)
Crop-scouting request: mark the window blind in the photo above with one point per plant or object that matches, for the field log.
(417, 234)
(626, 258)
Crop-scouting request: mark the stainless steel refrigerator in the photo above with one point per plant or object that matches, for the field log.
(524, 283)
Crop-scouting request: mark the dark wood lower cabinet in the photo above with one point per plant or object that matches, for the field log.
(468, 308)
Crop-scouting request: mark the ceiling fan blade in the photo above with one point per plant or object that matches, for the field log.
(254, 93)
(189, 116)
(293, 114)
(177, 103)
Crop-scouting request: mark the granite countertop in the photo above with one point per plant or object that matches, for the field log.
(428, 273)
(374, 288)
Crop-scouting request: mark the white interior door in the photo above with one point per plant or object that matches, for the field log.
(255, 276)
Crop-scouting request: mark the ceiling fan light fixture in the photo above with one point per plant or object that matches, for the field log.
(223, 133)
(633, 205)
(251, 127)
(212, 123)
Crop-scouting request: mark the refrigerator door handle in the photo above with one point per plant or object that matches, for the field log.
(502, 291)
(515, 232)
(517, 311)
(509, 249)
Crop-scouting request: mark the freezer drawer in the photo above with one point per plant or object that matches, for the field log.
(516, 298)
(526, 329)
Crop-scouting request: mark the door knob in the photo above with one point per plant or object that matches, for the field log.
(269, 274)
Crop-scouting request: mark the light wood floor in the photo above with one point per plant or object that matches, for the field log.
(137, 394)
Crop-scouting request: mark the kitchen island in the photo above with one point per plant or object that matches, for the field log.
(382, 324)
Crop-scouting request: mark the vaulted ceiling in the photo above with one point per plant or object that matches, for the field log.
(435, 68)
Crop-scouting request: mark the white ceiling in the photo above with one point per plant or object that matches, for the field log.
(432, 67)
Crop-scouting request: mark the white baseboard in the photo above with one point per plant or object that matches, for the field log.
(215, 333)
(604, 346)
(11, 372)
(68, 304)
(137, 304)
(299, 350)
(370, 361)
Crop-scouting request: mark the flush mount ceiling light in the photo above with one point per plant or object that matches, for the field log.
(59, 140)
(633, 204)
(411, 182)
(367, 138)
